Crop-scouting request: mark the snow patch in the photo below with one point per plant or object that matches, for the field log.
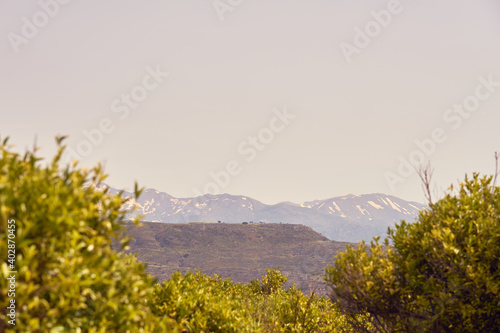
(375, 205)
(393, 205)
(362, 210)
(414, 207)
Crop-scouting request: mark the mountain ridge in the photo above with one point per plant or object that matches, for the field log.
(349, 218)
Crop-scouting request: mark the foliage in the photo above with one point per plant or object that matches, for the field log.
(200, 303)
(290, 310)
(270, 283)
(69, 277)
(439, 274)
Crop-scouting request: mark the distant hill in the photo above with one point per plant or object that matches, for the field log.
(241, 252)
(349, 218)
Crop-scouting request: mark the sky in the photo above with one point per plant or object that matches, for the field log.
(276, 100)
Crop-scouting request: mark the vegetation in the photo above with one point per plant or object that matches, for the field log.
(440, 274)
(200, 303)
(72, 274)
(68, 275)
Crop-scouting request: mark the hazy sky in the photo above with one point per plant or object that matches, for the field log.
(277, 100)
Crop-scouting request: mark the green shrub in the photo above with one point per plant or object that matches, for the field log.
(69, 277)
(292, 311)
(200, 303)
(440, 274)
(272, 282)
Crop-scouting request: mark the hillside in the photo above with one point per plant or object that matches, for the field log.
(241, 252)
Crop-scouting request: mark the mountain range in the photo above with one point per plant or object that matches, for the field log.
(349, 218)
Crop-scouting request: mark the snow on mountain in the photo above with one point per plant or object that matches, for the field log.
(375, 206)
(346, 218)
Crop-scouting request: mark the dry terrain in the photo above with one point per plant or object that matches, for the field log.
(241, 252)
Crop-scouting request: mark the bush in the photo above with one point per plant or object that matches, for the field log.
(200, 303)
(440, 274)
(270, 283)
(69, 277)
